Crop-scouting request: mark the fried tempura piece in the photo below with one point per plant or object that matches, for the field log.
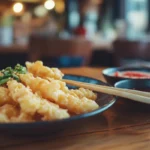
(37, 69)
(22, 117)
(62, 84)
(31, 103)
(52, 92)
(8, 111)
(51, 111)
(4, 96)
(4, 118)
(81, 92)
(28, 102)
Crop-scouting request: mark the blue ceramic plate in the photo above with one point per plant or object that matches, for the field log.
(47, 127)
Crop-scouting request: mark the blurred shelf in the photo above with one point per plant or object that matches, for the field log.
(14, 48)
(101, 45)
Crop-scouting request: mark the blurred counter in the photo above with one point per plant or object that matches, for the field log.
(24, 48)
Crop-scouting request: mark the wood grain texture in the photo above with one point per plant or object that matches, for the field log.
(125, 126)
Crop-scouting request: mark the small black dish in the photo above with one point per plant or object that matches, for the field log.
(136, 84)
(49, 127)
(132, 106)
(111, 79)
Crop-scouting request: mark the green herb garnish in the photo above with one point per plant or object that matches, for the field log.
(10, 73)
(3, 81)
(20, 69)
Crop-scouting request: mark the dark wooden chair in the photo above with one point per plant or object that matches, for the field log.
(131, 52)
(45, 46)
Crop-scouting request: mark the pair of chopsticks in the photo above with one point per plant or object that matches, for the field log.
(135, 95)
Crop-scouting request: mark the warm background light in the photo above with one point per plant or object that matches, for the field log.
(40, 11)
(60, 6)
(18, 7)
(49, 4)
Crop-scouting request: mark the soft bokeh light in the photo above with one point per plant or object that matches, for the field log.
(18, 7)
(97, 1)
(40, 11)
(49, 4)
(60, 6)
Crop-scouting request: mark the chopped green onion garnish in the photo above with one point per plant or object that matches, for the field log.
(9, 72)
(3, 81)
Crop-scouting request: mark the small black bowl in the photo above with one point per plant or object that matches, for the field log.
(138, 84)
(111, 79)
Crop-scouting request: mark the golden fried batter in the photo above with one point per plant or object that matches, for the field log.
(51, 111)
(41, 95)
(4, 96)
(62, 84)
(4, 118)
(81, 92)
(31, 103)
(37, 69)
(28, 102)
(8, 111)
(51, 91)
(22, 117)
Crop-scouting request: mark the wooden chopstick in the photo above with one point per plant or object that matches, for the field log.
(125, 93)
(119, 89)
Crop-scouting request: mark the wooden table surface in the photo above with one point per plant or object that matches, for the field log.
(125, 126)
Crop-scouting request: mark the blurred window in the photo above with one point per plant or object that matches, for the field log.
(74, 16)
(91, 18)
(137, 17)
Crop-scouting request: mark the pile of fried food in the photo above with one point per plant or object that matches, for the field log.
(36, 93)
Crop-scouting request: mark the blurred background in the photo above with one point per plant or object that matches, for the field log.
(73, 33)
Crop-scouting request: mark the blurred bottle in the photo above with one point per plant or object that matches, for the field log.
(6, 30)
(80, 31)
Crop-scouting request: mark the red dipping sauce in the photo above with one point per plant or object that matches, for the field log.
(132, 74)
